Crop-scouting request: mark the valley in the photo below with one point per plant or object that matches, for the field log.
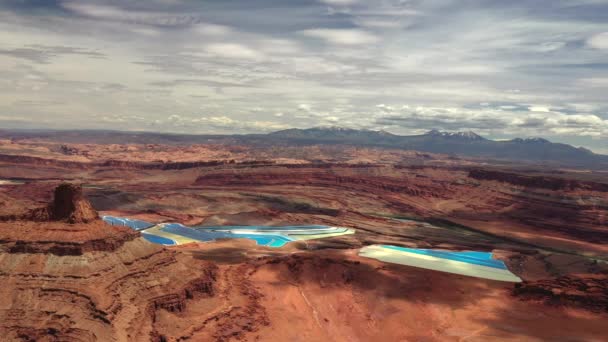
(241, 248)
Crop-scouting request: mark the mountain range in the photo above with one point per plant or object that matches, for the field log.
(466, 144)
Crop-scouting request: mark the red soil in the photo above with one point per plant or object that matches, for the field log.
(67, 276)
(330, 297)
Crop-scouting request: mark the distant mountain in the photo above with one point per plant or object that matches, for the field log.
(467, 144)
(468, 135)
(339, 134)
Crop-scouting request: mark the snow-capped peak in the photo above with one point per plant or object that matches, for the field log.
(469, 135)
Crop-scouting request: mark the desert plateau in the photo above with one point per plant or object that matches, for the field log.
(71, 273)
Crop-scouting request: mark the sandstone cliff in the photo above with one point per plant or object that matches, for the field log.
(77, 279)
(589, 291)
(552, 183)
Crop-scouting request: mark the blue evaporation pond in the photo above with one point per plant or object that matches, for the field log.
(208, 234)
(263, 228)
(131, 223)
(264, 239)
(195, 234)
(471, 257)
(158, 239)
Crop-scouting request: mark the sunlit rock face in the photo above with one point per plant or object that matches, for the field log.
(67, 276)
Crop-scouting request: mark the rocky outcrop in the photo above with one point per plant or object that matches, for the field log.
(68, 226)
(19, 159)
(61, 239)
(65, 275)
(97, 296)
(588, 291)
(69, 205)
(313, 177)
(68, 150)
(552, 183)
(29, 160)
(91, 282)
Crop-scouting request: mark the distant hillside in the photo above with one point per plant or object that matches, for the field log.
(467, 144)
(458, 143)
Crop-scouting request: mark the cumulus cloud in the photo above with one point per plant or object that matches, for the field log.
(492, 120)
(539, 109)
(223, 123)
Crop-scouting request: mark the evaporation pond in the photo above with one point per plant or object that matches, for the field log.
(158, 239)
(468, 263)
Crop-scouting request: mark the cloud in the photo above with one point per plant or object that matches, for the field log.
(37, 103)
(233, 50)
(342, 36)
(33, 55)
(274, 46)
(381, 23)
(492, 120)
(212, 29)
(339, 2)
(599, 41)
(304, 107)
(146, 31)
(114, 13)
(539, 109)
(340, 58)
(549, 46)
(43, 54)
(594, 82)
(224, 124)
(195, 82)
(439, 118)
(118, 118)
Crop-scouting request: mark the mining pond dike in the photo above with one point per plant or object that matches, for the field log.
(469, 263)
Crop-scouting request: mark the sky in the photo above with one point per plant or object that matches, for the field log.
(503, 69)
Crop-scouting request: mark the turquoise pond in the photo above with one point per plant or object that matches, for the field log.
(158, 239)
(471, 257)
(275, 237)
(270, 241)
(270, 236)
(127, 222)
